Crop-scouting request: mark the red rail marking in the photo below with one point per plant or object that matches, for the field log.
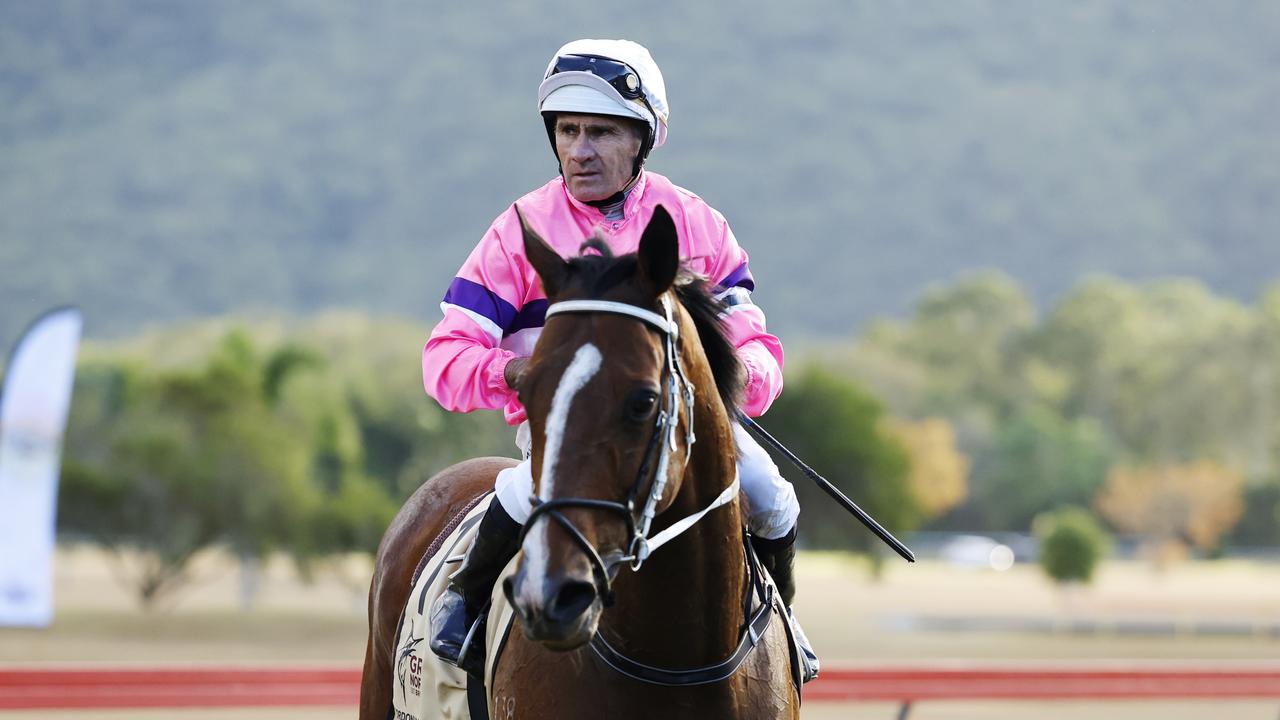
(88, 687)
(69, 688)
(910, 684)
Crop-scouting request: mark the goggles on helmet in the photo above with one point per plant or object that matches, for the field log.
(621, 77)
(618, 74)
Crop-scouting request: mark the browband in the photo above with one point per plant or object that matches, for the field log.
(668, 327)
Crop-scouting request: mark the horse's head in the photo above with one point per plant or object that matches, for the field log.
(609, 402)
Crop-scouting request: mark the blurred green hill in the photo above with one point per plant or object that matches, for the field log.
(160, 160)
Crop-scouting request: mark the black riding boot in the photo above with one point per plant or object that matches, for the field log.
(779, 557)
(457, 611)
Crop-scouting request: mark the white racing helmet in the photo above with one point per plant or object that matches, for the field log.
(606, 77)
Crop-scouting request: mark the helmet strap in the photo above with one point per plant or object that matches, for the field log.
(549, 120)
(649, 139)
(617, 197)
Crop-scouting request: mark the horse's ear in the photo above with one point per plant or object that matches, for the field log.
(659, 252)
(547, 262)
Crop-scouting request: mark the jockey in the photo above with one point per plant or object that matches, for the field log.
(604, 106)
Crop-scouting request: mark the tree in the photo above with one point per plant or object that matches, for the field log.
(170, 463)
(1071, 544)
(966, 339)
(404, 436)
(939, 471)
(1260, 523)
(353, 509)
(835, 426)
(1192, 504)
(1172, 372)
(1038, 461)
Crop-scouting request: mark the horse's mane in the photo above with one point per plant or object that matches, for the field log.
(597, 273)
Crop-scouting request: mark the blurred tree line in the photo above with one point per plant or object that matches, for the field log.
(1154, 404)
(246, 435)
(1150, 404)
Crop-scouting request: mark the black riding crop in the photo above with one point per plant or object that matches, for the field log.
(831, 490)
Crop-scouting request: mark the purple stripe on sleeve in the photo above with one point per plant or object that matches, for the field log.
(480, 300)
(740, 277)
(532, 315)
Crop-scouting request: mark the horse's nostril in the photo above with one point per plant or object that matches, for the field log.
(571, 601)
(509, 589)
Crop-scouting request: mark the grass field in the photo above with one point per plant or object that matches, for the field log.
(851, 618)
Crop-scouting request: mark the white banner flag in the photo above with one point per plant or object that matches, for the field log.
(33, 415)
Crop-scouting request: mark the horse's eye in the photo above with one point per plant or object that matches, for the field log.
(641, 404)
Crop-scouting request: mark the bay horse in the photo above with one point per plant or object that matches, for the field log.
(629, 394)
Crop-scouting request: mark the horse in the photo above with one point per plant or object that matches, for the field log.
(635, 591)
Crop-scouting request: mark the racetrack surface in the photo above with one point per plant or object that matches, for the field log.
(852, 618)
(1185, 710)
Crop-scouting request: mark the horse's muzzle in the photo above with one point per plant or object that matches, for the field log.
(562, 614)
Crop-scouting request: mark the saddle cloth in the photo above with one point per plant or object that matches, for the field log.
(425, 687)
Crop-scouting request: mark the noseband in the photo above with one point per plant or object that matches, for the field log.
(663, 442)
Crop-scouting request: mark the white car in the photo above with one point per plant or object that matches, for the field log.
(978, 552)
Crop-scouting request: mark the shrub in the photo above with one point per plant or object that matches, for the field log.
(1071, 544)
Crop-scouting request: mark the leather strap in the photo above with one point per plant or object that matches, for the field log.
(693, 676)
(616, 308)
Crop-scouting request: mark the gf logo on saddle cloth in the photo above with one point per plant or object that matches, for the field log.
(409, 667)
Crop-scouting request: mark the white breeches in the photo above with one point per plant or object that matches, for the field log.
(771, 504)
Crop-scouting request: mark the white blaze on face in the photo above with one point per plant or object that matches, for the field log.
(586, 363)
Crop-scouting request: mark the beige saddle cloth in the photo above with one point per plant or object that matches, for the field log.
(425, 687)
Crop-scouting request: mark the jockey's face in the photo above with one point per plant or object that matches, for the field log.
(597, 153)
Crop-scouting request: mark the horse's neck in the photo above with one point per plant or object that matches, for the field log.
(684, 607)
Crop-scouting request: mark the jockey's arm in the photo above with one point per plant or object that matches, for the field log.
(463, 366)
(761, 355)
(759, 351)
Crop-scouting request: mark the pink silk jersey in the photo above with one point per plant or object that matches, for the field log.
(495, 307)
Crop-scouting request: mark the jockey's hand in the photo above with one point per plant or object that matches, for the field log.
(513, 371)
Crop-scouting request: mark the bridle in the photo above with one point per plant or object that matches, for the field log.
(662, 442)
